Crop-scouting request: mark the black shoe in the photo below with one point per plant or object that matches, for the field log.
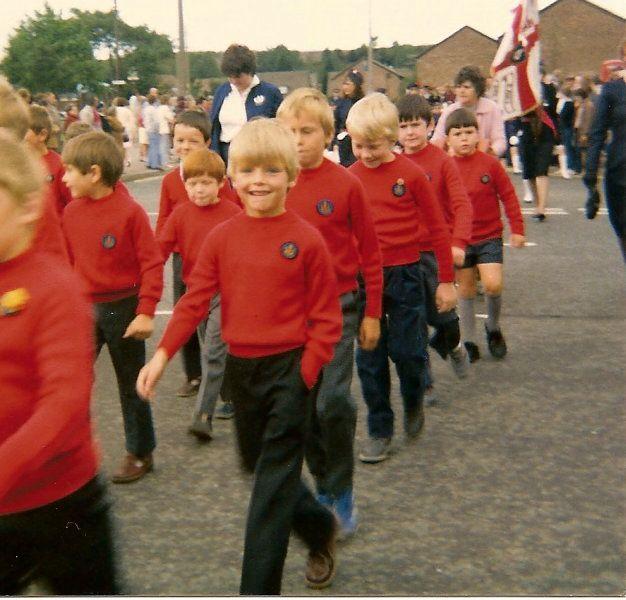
(438, 343)
(539, 217)
(593, 204)
(414, 421)
(472, 351)
(496, 343)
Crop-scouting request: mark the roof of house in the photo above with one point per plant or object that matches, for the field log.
(334, 74)
(289, 79)
(454, 34)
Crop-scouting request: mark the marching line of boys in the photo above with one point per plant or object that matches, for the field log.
(329, 255)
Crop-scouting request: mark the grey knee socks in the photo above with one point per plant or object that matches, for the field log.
(494, 305)
(468, 319)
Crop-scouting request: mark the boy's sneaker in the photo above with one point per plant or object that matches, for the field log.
(472, 351)
(459, 360)
(414, 421)
(225, 411)
(346, 513)
(201, 427)
(430, 396)
(375, 450)
(496, 343)
(189, 388)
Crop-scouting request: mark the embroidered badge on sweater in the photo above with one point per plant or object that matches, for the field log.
(398, 189)
(13, 302)
(258, 100)
(289, 250)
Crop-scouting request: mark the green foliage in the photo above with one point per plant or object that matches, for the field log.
(48, 53)
(203, 65)
(278, 59)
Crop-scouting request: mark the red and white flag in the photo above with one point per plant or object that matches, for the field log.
(515, 68)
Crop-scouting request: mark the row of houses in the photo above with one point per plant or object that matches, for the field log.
(576, 36)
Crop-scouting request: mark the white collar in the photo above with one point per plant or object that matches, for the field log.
(255, 81)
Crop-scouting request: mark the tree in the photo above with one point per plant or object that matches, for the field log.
(202, 65)
(279, 59)
(48, 53)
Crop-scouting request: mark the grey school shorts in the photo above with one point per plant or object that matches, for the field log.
(489, 251)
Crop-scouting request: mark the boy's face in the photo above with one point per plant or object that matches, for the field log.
(79, 184)
(186, 139)
(36, 140)
(413, 135)
(463, 140)
(14, 221)
(203, 189)
(262, 189)
(310, 139)
(372, 153)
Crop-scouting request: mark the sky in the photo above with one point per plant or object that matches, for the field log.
(298, 24)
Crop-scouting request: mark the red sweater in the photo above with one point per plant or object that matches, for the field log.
(58, 189)
(49, 236)
(278, 291)
(187, 227)
(487, 185)
(334, 201)
(400, 199)
(173, 193)
(46, 373)
(113, 249)
(444, 176)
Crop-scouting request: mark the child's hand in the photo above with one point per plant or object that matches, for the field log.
(151, 373)
(458, 256)
(369, 332)
(140, 328)
(517, 241)
(445, 298)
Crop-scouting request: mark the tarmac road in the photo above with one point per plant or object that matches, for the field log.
(515, 487)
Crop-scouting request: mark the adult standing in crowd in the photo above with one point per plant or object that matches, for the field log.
(470, 93)
(89, 112)
(239, 99)
(351, 92)
(610, 116)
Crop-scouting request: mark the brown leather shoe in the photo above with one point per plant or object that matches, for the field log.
(322, 565)
(133, 468)
(189, 388)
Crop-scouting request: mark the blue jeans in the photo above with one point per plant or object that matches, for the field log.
(128, 357)
(330, 448)
(571, 151)
(154, 150)
(401, 340)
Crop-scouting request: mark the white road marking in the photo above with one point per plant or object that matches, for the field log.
(601, 211)
(153, 214)
(481, 316)
(163, 312)
(528, 244)
(549, 211)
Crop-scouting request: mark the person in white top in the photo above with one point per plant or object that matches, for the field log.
(151, 123)
(127, 119)
(166, 119)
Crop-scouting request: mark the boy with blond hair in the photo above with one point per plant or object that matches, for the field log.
(15, 121)
(189, 223)
(333, 200)
(55, 520)
(113, 249)
(401, 199)
(281, 320)
(487, 185)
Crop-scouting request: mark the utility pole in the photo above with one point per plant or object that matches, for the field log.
(116, 50)
(370, 54)
(181, 59)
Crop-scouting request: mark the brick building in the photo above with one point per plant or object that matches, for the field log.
(287, 81)
(466, 46)
(577, 35)
(384, 78)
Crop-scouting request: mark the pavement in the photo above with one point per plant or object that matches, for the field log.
(515, 486)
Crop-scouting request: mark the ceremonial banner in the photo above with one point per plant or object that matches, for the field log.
(515, 68)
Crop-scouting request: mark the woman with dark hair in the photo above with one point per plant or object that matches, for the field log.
(470, 87)
(239, 99)
(351, 92)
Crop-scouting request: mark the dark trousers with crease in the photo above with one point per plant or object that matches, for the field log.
(68, 544)
(272, 413)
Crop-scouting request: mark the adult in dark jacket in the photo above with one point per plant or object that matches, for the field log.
(241, 98)
(610, 116)
(352, 92)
